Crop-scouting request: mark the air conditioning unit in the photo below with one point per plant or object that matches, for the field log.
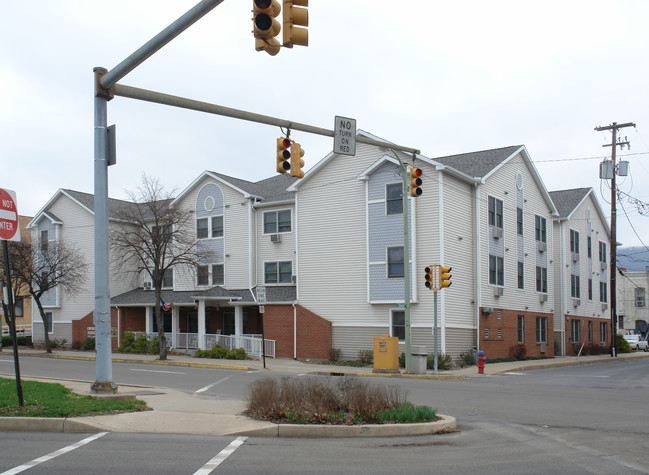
(543, 348)
(576, 302)
(575, 257)
(146, 285)
(543, 298)
(497, 232)
(604, 306)
(639, 303)
(487, 310)
(499, 291)
(275, 238)
(602, 265)
(542, 246)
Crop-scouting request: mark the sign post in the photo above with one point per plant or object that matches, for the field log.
(10, 231)
(261, 300)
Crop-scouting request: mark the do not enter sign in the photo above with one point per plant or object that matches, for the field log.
(9, 229)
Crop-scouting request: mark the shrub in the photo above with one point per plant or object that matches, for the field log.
(142, 344)
(594, 349)
(622, 345)
(334, 354)
(58, 343)
(220, 353)
(366, 356)
(465, 359)
(7, 342)
(518, 352)
(444, 361)
(88, 344)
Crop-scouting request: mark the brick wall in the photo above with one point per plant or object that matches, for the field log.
(502, 328)
(80, 328)
(573, 344)
(313, 332)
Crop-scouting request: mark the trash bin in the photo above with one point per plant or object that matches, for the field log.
(386, 354)
(419, 359)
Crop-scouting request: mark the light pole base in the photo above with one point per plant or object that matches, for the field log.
(103, 387)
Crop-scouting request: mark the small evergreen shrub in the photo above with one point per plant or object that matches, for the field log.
(88, 344)
(334, 354)
(518, 352)
(220, 353)
(444, 361)
(366, 356)
(465, 359)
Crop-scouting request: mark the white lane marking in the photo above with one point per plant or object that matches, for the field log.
(210, 386)
(45, 458)
(157, 371)
(221, 456)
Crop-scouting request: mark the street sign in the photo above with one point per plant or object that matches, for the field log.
(262, 309)
(344, 136)
(261, 295)
(9, 228)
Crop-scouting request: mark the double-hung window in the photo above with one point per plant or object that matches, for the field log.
(519, 221)
(218, 274)
(398, 324)
(393, 198)
(44, 241)
(278, 272)
(203, 275)
(496, 270)
(575, 337)
(575, 291)
(542, 279)
(574, 241)
(395, 262)
(521, 328)
(277, 222)
(541, 329)
(603, 332)
(540, 231)
(217, 226)
(168, 279)
(209, 227)
(495, 212)
(602, 252)
(202, 228)
(603, 292)
(639, 297)
(521, 275)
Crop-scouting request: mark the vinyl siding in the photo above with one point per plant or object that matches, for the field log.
(268, 251)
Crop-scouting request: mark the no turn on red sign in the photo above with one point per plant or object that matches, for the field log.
(9, 228)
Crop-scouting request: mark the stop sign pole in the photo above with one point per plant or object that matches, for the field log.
(10, 231)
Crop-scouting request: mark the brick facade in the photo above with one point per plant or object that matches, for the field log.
(313, 332)
(499, 336)
(592, 344)
(81, 329)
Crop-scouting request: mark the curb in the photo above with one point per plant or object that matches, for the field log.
(45, 424)
(445, 425)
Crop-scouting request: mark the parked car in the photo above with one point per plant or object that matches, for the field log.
(636, 342)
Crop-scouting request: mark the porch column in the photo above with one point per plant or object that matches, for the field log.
(238, 320)
(175, 325)
(148, 325)
(201, 325)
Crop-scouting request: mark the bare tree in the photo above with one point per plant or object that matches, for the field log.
(151, 236)
(43, 267)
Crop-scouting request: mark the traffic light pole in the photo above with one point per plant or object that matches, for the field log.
(435, 332)
(406, 264)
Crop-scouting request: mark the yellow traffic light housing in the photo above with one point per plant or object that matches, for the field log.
(296, 160)
(415, 182)
(445, 277)
(429, 279)
(295, 16)
(265, 27)
(283, 154)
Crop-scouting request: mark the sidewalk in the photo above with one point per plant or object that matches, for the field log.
(174, 411)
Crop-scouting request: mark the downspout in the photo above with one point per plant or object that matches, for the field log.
(294, 332)
(562, 286)
(250, 234)
(478, 267)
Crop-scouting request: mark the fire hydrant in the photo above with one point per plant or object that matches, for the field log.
(482, 359)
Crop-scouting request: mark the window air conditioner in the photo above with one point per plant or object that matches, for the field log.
(575, 257)
(542, 247)
(543, 298)
(499, 291)
(576, 302)
(497, 232)
(487, 310)
(602, 265)
(146, 285)
(543, 348)
(639, 303)
(275, 238)
(604, 306)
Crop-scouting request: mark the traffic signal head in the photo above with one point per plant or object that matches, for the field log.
(429, 277)
(415, 182)
(445, 276)
(283, 154)
(265, 27)
(296, 160)
(295, 15)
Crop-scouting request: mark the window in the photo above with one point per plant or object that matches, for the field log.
(393, 199)
(603, 291)
(541, 329)
(602, 251)
(589, 246)
(218, 275)
(277, 222)
(495, 212)
(603, 332)
(50, 325)
(540, 229)
(521, 275)
(575, 291)
(167, 324)
(639, 297)
(486, 333)
(44, 240)
(590, 289)
(496, 270)
(519, 221)
(590, 331)
(398, 324)
(521, 329)
(541, 279)
(18, 306)
(395, 262)
(574, 241)
(278, 272)
(203, 275)
(201, 228)
(574, 325)
(168, 279)
(620, 321)
(217, 226)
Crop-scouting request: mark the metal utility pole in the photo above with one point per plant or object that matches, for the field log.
(406, 264)
(614, 127)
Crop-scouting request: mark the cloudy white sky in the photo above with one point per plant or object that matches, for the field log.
(443, 77)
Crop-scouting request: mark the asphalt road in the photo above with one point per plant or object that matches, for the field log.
(582, 419)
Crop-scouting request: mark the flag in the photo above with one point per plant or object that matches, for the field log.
(165, 306)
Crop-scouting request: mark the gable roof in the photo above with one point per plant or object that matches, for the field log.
(480, 164)
(567, 201)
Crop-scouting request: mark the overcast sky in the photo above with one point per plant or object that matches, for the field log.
(443, 77)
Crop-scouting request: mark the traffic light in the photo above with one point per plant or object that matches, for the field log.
(415, 182)
(445, 277)
(295, 15)
(429, 281)
(283, 154)
(265, 27)
(296, 160)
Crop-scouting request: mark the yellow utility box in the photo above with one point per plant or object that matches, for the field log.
(386, 354)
